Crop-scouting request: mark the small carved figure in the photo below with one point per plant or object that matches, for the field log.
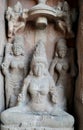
(14, 69)
(68, 18)
(15, 21)
(60, 69)
(66, 24)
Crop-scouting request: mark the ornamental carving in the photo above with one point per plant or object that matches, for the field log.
(38, 82)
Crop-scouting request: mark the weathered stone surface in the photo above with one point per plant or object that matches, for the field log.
(14, 69)
(35, 128)
(63, 73)
(38, 101)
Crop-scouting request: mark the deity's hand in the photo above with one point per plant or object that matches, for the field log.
(25, 14)
(4, 68)
(20, 100)
(54, 98)
(53, 92)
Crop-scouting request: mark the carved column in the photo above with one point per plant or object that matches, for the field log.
(79, 85)
(2, 43)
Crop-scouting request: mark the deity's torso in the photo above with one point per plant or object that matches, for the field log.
(39, 89)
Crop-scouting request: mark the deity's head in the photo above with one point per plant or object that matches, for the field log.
(61, 48)
(18, 46)
(39, 65)
(18, 8)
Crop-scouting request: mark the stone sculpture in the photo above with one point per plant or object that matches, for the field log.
(66, 24)
(60, 61)
(15, 20)
(63, 72)
(14, 69)
(37, 105)
(38, 100)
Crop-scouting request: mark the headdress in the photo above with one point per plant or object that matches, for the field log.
(19, 41)
(61, 44)
(40, 54)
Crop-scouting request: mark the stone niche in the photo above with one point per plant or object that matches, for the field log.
(39, 67)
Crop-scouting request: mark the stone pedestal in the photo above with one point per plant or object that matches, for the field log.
(30, 121)
(34, 128)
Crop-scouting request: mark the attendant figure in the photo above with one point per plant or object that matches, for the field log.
(14, 69)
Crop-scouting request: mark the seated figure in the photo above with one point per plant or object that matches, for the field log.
(37, 105)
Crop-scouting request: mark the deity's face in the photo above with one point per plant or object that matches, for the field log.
(39, 69)
(62, 52)
(18, 49)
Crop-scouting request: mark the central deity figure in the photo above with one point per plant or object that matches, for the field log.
(38, 98)
(39, 87)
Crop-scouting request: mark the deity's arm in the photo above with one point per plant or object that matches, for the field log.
(23, 96)
(25, 14)
(52, 66)
(53, 90)
(7, 60)
(25, 67)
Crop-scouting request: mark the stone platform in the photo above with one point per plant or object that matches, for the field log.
(36, 121)
(32, 128)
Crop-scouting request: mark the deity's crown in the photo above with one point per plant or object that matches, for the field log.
(61, 44)
(39, 55)
(19, 41)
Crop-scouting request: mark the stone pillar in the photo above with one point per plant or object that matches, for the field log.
(79, 84)
(2, 44)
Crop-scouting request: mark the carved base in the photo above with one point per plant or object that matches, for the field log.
(32, 128)
(32, 121)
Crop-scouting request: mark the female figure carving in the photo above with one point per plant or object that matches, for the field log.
(14, 70)
(60, 64)
(60, 69)
(37, 102)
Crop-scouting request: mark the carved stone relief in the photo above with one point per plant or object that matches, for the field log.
(15, 20)
(63, 73)
(38, 98)
(14, 69)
